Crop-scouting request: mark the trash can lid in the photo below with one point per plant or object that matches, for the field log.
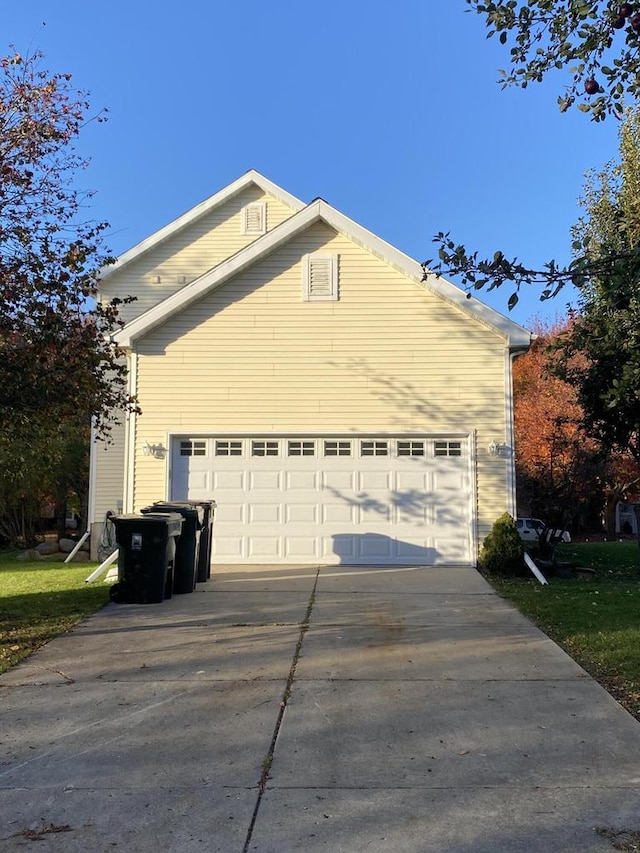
(185, 508)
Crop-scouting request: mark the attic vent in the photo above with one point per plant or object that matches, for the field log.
(254, 218)
(320, 278)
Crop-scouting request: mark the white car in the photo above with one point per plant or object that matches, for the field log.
(530, 530)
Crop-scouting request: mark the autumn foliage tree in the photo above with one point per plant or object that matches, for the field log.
(555, 459)
(565, 474)
(58, 366)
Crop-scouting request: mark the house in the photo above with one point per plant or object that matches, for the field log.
(339, 406)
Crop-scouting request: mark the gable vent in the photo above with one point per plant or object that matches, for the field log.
(320, 278)
(254, 218)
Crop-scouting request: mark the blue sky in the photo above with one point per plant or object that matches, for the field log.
(389, 111)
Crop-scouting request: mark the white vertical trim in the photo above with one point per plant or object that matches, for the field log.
(168, 472)
(130, 437)
(474, 543)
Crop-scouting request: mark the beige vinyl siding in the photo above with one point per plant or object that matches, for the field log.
(193, 251)
(389, 357)
(109, 461)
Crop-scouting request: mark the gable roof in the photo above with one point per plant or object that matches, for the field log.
(241, 183)
(319, 210)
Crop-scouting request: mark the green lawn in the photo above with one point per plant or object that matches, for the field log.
(596, 621)
(40, 600)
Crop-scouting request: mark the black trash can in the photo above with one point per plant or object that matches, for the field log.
(185, 567)
(206, 538)
(146, 556)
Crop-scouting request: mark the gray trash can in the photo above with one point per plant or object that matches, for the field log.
(146, 556)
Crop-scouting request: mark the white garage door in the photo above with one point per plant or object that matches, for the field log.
(326, 500)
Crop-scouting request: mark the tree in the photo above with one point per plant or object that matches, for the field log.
(54, 336)
(555, 460)
(58, 367)
(599, 43)
(564, 475)
(607, 328)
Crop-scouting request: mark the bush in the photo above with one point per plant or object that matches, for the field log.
(502, 551)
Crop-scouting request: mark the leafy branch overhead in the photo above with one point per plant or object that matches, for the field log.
(478, 273)
(597, 42)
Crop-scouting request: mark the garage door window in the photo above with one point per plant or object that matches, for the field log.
(411, 448)
(228, 448)
(264, 448)
(301, 448)
(448, 448)
(374, 448)
(193, 448)
(337, 448)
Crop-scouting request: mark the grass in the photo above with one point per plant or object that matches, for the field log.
(39, 601)
(596, 621)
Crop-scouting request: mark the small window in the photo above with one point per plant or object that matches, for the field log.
(448, 448)
(374, 448)
(264, 448)
(254, 218)
(228, 448)
(301, 448)
(337, 448)
(193, 448)
(320, 278)
(411, 448)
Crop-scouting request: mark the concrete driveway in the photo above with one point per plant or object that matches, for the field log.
(335, 709)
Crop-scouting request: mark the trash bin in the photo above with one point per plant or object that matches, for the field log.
(146, 556)
(206, 538)
(185, 566)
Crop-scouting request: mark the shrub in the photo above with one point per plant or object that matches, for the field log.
(502, 551)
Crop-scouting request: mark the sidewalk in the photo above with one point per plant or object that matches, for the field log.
(338, 710)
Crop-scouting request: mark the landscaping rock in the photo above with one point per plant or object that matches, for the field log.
(67, 545)
(47, 548)
(58, 557)
(26, 556)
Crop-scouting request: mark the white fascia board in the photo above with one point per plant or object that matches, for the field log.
(517, 337)
(198, 288)
(250, 177)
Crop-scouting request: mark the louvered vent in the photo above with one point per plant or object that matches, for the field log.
(255, 218)
(320, 280)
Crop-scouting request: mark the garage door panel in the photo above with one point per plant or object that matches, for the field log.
(302, 513)
(338, 513)
(372, 481)
(352, 508)
(264, 480)
(225, 480)
(265, 513)
(301, 547)
(301, 480)
(333, 480)
(227, 548)
(231, 513)
(265, 548)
